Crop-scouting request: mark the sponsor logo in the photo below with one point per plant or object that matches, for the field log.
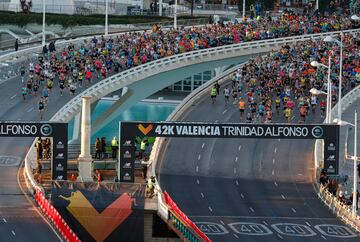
(60, 178)
(127, 143)
(60, 145)
(331, 147)
(144, 130)
(46, 130)
(127, 177)
(331, 158)
(127, 154)
(60, 156)
(59, 167)
(127, 165)
(317, 132)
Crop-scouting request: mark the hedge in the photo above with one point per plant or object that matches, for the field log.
(22, 19)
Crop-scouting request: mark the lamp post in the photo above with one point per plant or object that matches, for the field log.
(106, 17)
(328, 97)
(175, 13)
(355, 158)
(243, 10)
(43, 25)
(331, 39)
(317, 5)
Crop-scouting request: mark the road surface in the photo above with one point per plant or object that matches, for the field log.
(19, 220)
(247, 189)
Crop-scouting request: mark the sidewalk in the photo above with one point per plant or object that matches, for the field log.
(345, 165)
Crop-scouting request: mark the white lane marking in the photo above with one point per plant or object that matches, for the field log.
(222, 222)
(210, 209)
(273, 161)
(199, 157)
(197, 181)
(242, 195)
(203, 145)
(265, 223)
(4, 220)
(275, 150)
(272, 173)
(293, 209)
(275, 184)
(12, 231)
(236, 236)
(308, 224)
(13, 96)
(234, 170)
(30, 109)
(252, 210)
(216, 121)
(300, 174)
(239, 147)
(225, 111)
(279, 236)
(283, 197)
(237, 183)
(322, 236)
(279, 140)
(236, 159)
(197, 168)
(202, 195)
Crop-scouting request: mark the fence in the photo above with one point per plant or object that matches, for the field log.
(342, 211)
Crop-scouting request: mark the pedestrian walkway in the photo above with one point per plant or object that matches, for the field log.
(347, 138)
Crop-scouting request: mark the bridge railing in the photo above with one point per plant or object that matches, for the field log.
(126, 77)
(342, 211)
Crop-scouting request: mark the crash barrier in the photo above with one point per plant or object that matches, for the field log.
(340, 209)
(343, 213)
(54, 217)
(182, 223)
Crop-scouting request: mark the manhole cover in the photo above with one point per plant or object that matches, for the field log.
(9, 161)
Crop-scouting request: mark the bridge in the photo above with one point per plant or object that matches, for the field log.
(147, 72)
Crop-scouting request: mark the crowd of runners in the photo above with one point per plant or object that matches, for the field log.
(73, 67)
(280, 82)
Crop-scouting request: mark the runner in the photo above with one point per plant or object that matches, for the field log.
(213, 94)
(24, 91)
(241, 107)
(226, 95)
(41, 106)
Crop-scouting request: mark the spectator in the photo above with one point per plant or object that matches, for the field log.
(16, 45)
(103, 147)
(98, 148)
(114, 147)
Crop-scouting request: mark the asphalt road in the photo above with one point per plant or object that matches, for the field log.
(247, 189)
(19, 220)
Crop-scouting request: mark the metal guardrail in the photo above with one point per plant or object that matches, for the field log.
(135, 74)
(337, 208)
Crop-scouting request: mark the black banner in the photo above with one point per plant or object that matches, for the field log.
(59, 133)
(102, 212)
(130, 131)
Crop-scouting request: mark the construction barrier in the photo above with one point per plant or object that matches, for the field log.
(52, 214)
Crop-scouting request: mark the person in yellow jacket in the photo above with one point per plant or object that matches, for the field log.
(213, 94)
(114, 147)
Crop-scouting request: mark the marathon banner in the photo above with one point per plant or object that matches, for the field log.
(131, 131)
(101, 211)
(224, 130)
(59, 133)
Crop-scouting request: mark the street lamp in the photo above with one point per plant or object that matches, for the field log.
(43, 26)
(328, 97)
(106, 17)
(175, 13)
(243, 13)
(332, 39)
(341, 122)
